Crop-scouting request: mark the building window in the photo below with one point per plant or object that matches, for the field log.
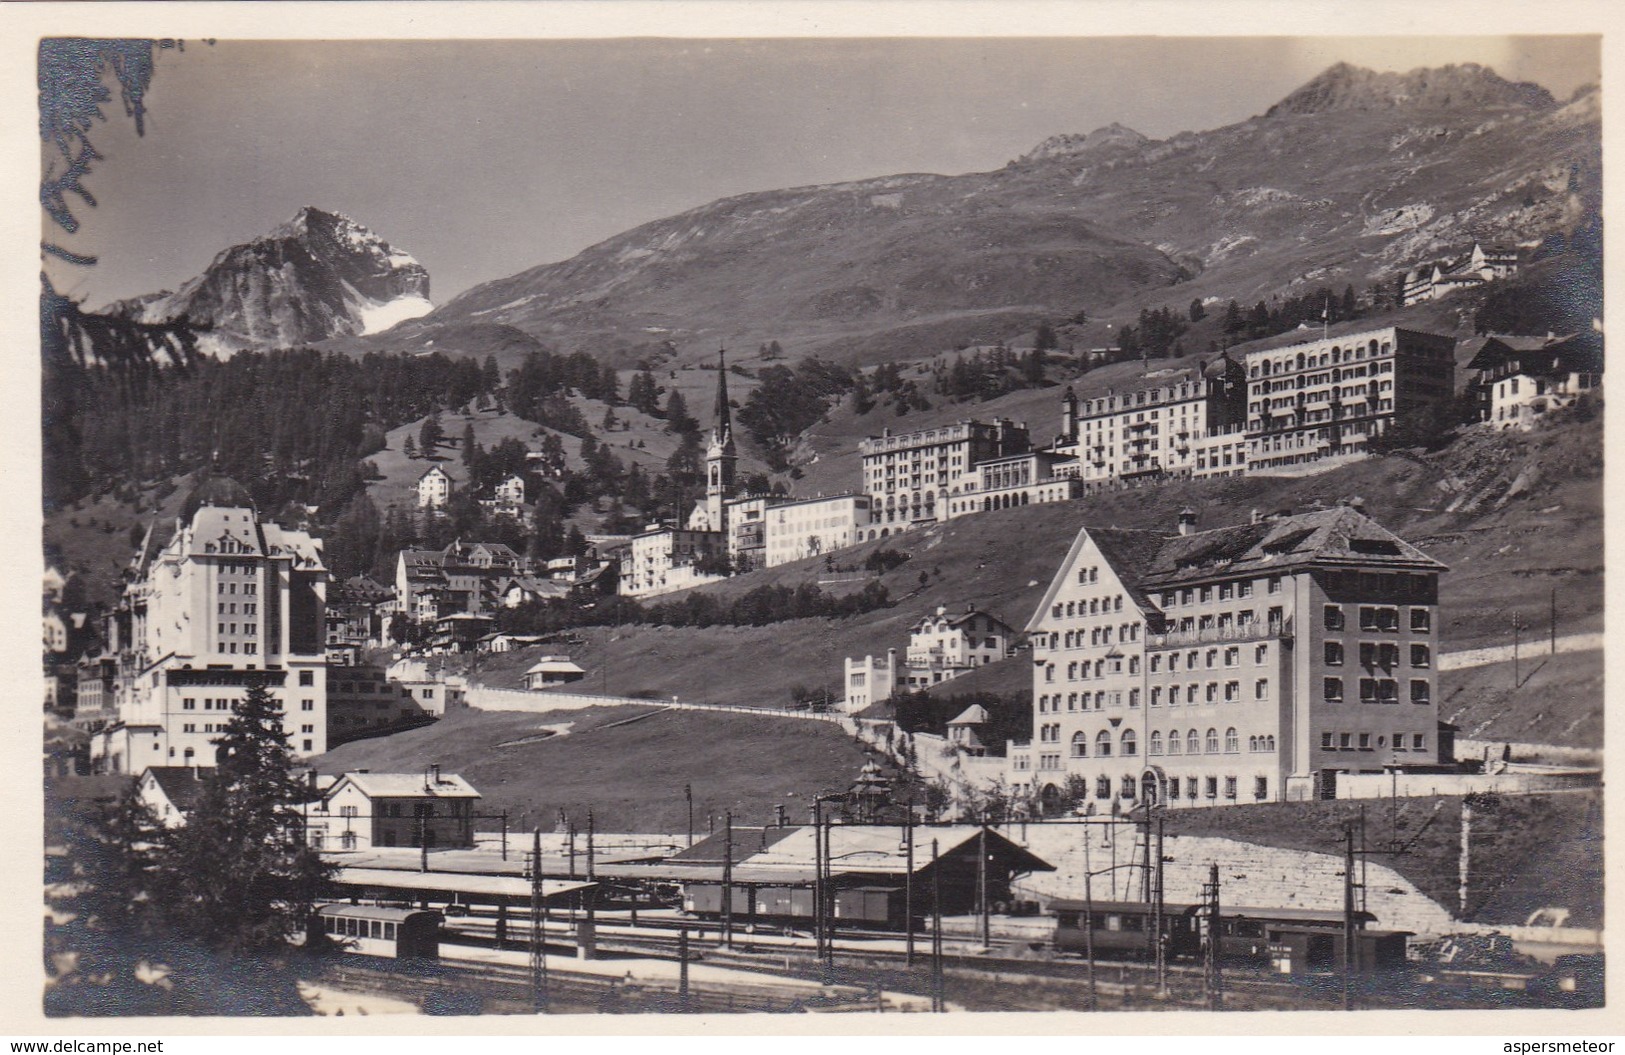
(1261, 653)
(1129, 744)
(1261, 788)
(307, 705)
(1334, 617)
(1229, 787)
(1419, 742)
(1212, 741)
(1421, 656)
(1421, 691)
(307, 677)
(1334, 654)
(1193, 743)
(1421, 619)
(1232, 742)
(1333, 690)
(1103, 787)
(1232, 656)
(1155, 747)
(1275, 584)
(1326, 742)
(1080, 745)
(1378, 618)
(1103, 744)
(1232, 691)
(1212, 787)
(1365, 741)
(1175, 744)
(1261, 689)
(1156, 696)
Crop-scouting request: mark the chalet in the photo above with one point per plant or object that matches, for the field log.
(363, 811)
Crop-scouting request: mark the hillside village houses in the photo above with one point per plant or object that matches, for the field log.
(1250, 663)
(1519, 380)
(435, 487)
(941, 646)
(727, 531)
(1480, 264)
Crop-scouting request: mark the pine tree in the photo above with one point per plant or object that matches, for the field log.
(410, 449)
(1197, 311)
(238, 877)
(677, 419)
(468, 443)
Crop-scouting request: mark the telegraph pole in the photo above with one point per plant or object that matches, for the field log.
(981, 882)
(728, 880)
(538, 946)
(1161, 917)
(682, 969)
(1517, 625)
(1554, 620)
(829, 902)
(1089, 919)
(908, 889)
(936, 932)
(504, 835)
(1214, 978)
(688, 793)
(818, 877)
(1348, 916)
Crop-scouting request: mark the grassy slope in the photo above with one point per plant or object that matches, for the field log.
(631, 775)
(1502, 560)
(1527, 852)
(1558, 700)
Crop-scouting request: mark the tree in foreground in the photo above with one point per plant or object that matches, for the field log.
(238, 878)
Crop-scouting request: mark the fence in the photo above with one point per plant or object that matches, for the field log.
(1403, 785)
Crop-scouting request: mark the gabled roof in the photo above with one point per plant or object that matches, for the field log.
(1326, 537)
(747, 841)
(1542, 355)
(880, 848)
(554, 665)
(975, 714)
(181, 785)
(1125, 551)
(431, 470)
(406, 785)
(956, 621)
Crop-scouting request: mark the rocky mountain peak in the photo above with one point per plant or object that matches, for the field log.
(319, 275)
(1112, 137)
(1464, 86)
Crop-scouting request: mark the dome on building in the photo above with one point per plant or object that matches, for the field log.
(213, 489)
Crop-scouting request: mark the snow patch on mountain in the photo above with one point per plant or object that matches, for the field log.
(376, 317)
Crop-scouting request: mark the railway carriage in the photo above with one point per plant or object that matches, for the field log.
(873, 906)
(373, 930)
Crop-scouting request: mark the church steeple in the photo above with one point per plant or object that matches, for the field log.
(722, 458)
(722, 431)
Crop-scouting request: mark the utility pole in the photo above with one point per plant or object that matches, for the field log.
(538, 940)
(682, 969)
(1348, 916)
(1213, 976)
(423, 838)
(1161, 917)
(688, 793)
(1517, 625)
(728, 880)
(908, 888)
(504, 835)
(592, 876)
(981, 882)
(1089, 919)
(829, 902)
(818, 877)
(1554, 620)
(936, 932)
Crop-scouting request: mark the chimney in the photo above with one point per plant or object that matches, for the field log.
(1187, 521)
(1254, 516)
(434, 773)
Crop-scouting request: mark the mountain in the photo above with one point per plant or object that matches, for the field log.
(1345, 87)
(1351, 179)
(320, 275)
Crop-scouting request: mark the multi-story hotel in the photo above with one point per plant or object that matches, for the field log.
(1519, 380)
(1310, 400)
(1249, 663)
(1160, 427)
(228, 601)
(911, 478)
(811, 526)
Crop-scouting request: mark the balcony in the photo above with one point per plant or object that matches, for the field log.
(1257, 630)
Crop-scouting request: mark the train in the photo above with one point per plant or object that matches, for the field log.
(868, 906)
(1287, 941)
(381, 930)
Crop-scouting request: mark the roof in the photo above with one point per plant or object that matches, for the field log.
(453, 882)
(881, 849)
(181, 785)
(957, 620)
(1361, 327)
(975, 714)
(1337, 536)
(407, 785)
(1574, 352)
(746, 841)
(1125, 551)
(555, 665)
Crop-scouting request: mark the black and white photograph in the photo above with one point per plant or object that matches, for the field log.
(921, 520)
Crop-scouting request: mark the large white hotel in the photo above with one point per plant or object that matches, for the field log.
(228, 601)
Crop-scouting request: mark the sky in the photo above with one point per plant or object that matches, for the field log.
(484, 158)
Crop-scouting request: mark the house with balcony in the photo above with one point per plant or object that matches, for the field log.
(944, 645)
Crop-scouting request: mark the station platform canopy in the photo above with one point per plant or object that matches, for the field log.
(453, 883)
